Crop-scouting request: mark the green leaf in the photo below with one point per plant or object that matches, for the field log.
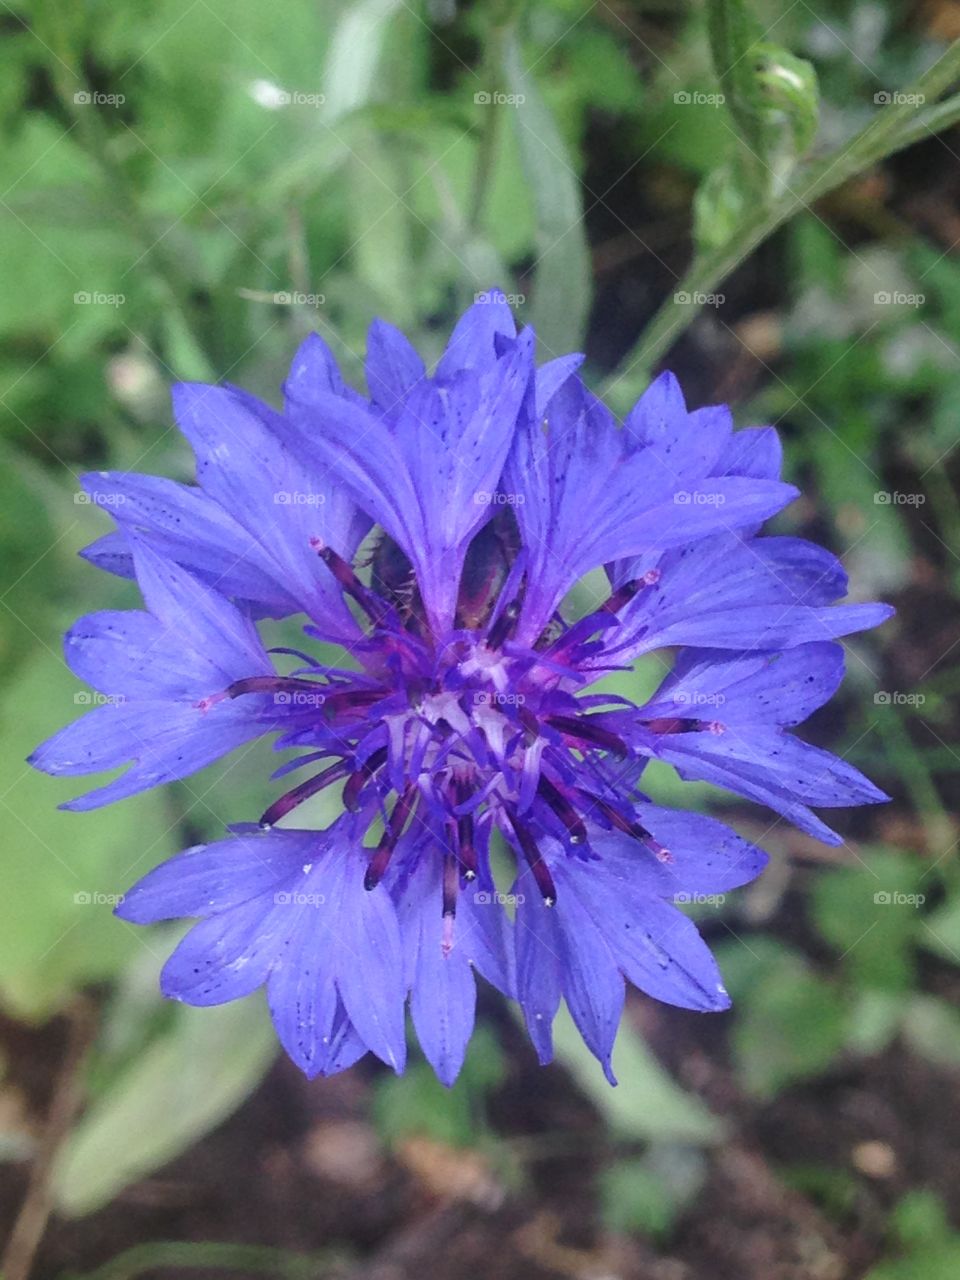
(940, 932)
(647, 1194)
(931, 1262)
(62, 872)
(791, 1025)
(562, 273)
(875, 1019)
(417, 1104)
(188, 1079)
(351, 76)
(871, 914)
(718, 207)
(646, 1103)
(932, 1027)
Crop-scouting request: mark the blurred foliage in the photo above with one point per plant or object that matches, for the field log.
(187, 192)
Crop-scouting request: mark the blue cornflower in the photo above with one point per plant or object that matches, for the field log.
(462, 721)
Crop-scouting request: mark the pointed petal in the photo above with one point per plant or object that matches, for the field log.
(539, 950)
(705, 855)
(370, 974)
(472, 344)
(656, 947)
(393, 366)
(592, 985)
(226, 956)
(213, 878)
(443, 1000)
(284, 506)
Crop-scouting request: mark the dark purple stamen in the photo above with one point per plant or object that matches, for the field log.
(467, 853)
(395, 825)
(297, 795)
(274, 684)
(584, 729)
(564, 810)
(629, 826)
(375, 608)
(679, 724)
(358, 780)
(504, 625)
(539, 869)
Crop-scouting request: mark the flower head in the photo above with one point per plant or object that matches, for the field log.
(463, 723)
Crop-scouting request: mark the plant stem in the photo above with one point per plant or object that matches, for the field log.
(499, 26)
(895, 127)
(209, 1255)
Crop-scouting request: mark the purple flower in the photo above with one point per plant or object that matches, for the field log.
(448, 694)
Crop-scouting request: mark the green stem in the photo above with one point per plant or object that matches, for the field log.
(895, 127)
(500, 24)
(208, 1255)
